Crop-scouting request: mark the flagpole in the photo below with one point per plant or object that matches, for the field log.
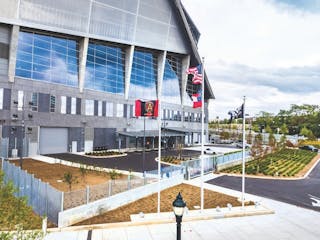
(159, 154)
(202, 135)
(243, 152)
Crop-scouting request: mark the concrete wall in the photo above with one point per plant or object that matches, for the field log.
(78, 214)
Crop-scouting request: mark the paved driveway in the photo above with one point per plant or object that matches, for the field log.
(133, 161)
(297, 192)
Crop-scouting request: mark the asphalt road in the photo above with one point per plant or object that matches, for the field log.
(295, 192)
(133, 161)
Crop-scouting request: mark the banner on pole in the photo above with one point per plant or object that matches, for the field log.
(146, 108)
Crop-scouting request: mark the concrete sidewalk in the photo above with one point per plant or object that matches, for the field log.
(288, 222)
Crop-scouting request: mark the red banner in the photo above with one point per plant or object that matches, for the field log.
(147, 108)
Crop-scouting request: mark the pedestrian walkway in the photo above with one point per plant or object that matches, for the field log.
(288, 222)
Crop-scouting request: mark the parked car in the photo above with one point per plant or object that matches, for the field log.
(239, 145)
(309, 148)
(209, 151)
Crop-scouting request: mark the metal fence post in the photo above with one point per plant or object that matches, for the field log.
(129, 182)
(46, 198)
(31, 190)
(88, 193)
(62, 201)
(110, 186)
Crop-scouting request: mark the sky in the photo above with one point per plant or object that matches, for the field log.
(266, 50)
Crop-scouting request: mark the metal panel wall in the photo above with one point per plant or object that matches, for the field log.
(111, 20)
(9, 8)
(72, 15)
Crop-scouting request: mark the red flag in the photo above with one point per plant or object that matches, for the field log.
(196, 99)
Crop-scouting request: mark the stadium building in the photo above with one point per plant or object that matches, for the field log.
(70, 72)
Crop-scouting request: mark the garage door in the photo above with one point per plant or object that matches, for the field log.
(53, 140)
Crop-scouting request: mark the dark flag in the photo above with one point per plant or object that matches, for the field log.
(238, 113)
(147, 108)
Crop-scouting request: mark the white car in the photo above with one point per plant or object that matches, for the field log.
(209, 151)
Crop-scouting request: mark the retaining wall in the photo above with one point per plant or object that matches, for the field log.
(83, 212)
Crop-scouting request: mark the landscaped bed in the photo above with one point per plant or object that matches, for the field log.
(54, 174)
(104, 154)
(190, 194)
(285, 163)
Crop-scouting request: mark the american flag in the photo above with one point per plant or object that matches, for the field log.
(197, 74)
(196, 99)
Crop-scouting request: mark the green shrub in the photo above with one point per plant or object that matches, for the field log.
(14, 210)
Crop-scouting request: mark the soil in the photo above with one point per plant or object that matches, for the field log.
(54, 175)
(190, 194)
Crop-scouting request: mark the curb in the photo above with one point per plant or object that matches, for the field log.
(168, 217)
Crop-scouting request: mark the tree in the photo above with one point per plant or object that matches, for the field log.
(307, 133)
(15, 214)
(83, 171)
(224, 135)
(268, 129)
(69, 179)
(272, 142)
(113, 174)
(256, 150)
(284, 129)
(282, 142)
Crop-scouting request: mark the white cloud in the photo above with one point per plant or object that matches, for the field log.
(267, 51)
(255, 33)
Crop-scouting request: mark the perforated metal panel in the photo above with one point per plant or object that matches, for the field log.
(127, 5)
(10, 9)
(112, 22)
(71, 15)
(124, 21)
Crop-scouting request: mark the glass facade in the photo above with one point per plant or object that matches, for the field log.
(171, 85)
(105, 68)
(47, 58)
(143, 83)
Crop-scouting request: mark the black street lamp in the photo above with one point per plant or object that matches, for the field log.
(178, 209)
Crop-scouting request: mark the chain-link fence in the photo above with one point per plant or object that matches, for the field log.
(47, 201)
(44, 199)
(104, 190)
(210, 163)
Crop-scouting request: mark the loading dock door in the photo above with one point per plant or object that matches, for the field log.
(53, 140)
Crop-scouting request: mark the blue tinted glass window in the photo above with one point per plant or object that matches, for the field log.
(143, 84)
(47, 58)
(171, 86)
(105, 68)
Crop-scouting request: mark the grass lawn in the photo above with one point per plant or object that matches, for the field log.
(284, 163)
